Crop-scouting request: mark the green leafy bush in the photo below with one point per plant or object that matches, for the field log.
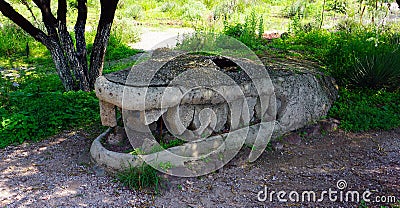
(297, 9)
(38, 108)
(194, 10)
(134, 11)
(356, 57)
(362, 110)
(167, 6)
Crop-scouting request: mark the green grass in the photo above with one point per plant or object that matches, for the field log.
(34, 105)
(38, 108)
(362, 110)
(142, 177)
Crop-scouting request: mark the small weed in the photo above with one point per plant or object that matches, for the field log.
(141, 177)
(165, 166)
(179, 186)
(249, 32)
(172, 143)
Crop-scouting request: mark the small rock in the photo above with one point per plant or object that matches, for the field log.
(329, 125)
(277, 146)
(99, 171)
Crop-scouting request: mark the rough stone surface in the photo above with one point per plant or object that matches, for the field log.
(107, 114)
(221, 112)
(301, 98)
(288, 98)
(112, 161)
(178, 118)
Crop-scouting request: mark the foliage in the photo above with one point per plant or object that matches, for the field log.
(362, 110)
(249, 32)
(297, 9)
(13, 40)
(134, 11)
(172, 143)
(377, 70)
(193, 10)
(355, 56)
(38, 108)
(339, 6)
(140, 177)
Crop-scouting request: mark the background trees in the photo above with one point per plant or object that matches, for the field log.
(69, 58)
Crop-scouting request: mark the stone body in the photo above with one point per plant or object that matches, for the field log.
(290, 97)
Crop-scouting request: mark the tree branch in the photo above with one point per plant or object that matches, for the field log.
(80, 35)
(8, 11)
(62, 11)
(24, 2)
(48, 18)
(107, 14)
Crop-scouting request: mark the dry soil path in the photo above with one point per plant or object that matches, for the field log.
(57, 172)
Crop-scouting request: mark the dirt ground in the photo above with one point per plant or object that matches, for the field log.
(57, 172)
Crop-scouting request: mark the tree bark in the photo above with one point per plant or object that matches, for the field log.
(68, 46)
(80, 36)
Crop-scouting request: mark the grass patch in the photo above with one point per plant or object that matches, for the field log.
(139, 178)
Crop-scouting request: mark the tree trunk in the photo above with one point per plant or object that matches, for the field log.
(108, 8)
(70, 61)
(60, 62)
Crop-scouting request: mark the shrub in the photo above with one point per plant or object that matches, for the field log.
(39, 109)
(134, 11)
(339, 6)
(377, 71)
(249, 32)
(355, 56)
(194, 10)
(362, 110)
(167, 6)
(297, 9)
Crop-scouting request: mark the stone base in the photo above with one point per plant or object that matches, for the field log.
(221, 149)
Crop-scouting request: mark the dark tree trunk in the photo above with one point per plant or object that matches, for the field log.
(70, 61)
(80, 36)
(108, 8)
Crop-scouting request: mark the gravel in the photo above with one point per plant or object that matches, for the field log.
(57, 172)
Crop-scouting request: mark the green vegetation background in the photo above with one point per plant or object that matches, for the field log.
(347, 38)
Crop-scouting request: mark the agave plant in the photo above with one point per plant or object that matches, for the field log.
(377, 71)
